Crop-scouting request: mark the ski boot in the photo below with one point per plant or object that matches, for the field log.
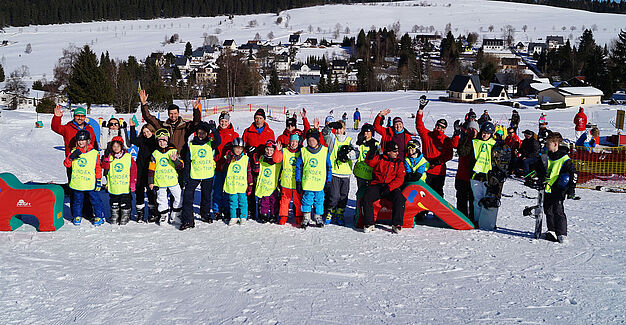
(263, 218)
(153, 214)
(175, 216)
(368, 228)
(97, 221)
(562, 239)
(328, 218)
(233, 221)
(140, 212)
(163, 216)
(77, 221)
(273, 219)
(115, 214)
(319, 220)
(306, 219)
(339, 216)
(125, 216)
(396, 229)
(186, 226)
(207, 217)
(243, 220)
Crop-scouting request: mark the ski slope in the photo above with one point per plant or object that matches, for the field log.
(268, 274)
(141, 37)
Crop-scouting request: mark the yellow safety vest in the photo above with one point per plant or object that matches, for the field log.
(165, 174)
(554, 169)
(361, 169)
(202, 161)
(84, 171)
(339, 167)
(288, 175)
(482, 154)
(237, 176)
(267, 182)
(314, 169)
(419, 164)
(118, 178)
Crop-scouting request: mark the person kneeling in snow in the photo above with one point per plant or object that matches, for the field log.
(85, 178)
(163, 176)
(388, 175)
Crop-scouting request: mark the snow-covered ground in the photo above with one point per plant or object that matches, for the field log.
(268, 274)
(141, 37)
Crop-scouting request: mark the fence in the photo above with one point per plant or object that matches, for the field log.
(600, 167)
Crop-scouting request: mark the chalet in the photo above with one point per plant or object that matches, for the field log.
(497, 92)
(512, 63)
(524, 87)
(281, 62)
(339, 69)
(230, 44)
(569, 96)
(26, 101)
(536, 48)
(306, 84)
(294, 39)
(297, 70)
(206, 74)
(157, 58)
(183, 63)
(202, 54)
(250, 47)
(493, 45)
(311, 42)
(508, 79)
(521, 47)
(465, 88)
(554, 42)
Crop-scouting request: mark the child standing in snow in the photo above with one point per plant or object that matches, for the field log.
(121, 180)
(266, 189)
(366, 143)
(313, 172)
(238, 182)
(288, 181)
(342, 151)
(86, 175)
(561, 182)
(163, 177)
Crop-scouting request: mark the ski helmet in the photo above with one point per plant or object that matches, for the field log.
(442, 123)
(83, 135)
(162, 134)
(238, 142)
(413, 144)
(488, 128)
(367, 128)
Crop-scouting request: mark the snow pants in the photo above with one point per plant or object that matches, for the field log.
(162, 198)
(486, 217)
(313, 199)
(339, 188)
(238, 201)
(361, 183)
(372, 194)
(269, 205)
(206, 187)
(436, 182)
(78, 200)
(464, 198)
(289, 195)
(220, 202)
(555, 213)
(122, 201)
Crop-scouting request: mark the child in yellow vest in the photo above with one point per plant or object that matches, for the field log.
(288, 181)
(121, 181)
(238, 182)
(85, 178)
(163, 177)
(266, 189)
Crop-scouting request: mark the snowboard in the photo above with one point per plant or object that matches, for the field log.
(488, 212)
(536, 211)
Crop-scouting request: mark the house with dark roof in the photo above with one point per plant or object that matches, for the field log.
(554, 42)
(493, 44)
(497, 92)
(311, 41)
(536, 48)
(465, 88)
(294, 39)
(183, 63)
(230, 44)
(306, 84)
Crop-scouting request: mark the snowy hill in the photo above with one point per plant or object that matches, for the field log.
(141, 37)
(268, 274)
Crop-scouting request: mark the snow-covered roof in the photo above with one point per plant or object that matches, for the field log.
(581, 91)
(540, 86)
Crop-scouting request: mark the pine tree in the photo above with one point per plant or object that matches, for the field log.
(321, 86)
(86, 80)
(1, 73)
(617, 62)
(188, 50)
(274, 87)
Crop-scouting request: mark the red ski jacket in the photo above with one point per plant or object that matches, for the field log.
(387, 171)
(68, 131)
(580, 120)
(436, 147)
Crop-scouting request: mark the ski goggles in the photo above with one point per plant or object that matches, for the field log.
(162, 133)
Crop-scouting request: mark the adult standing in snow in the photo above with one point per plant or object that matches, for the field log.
(357, 118)
(290, 129)
(255, 138)
(484, 118)
(515, 119)
(227, 135)
(436, 147)
(396, 133)
(543, 133)
(470, 116)
(110, 130)
(464, 196)
(580, 123)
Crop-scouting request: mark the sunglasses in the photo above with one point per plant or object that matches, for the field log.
(114, 124)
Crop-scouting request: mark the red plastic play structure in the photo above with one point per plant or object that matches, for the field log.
(44, 202)
(419, 197)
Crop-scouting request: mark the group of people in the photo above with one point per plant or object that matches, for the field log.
(257, 175)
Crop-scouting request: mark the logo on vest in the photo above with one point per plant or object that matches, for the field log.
(23, 204)
(201, 153)
(292, 161)
(236, 169)
(118, 167)
(267, 173)
(163, 162)
(82, 162)
(313, 162)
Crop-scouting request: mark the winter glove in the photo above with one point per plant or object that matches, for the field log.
(251, 150)
(384, 191)
(212, 125)
(74, 155)
(98, 185)
(435, 162)
(423, 101)
(249, 190)
(457, 127)
(299, 188)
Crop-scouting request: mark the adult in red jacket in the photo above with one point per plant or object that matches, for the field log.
(397, 133)
(290, 128)
(227, 135)
(387, 178)
(255, 138)
(437, 149)
(580, 121)
(68, 130)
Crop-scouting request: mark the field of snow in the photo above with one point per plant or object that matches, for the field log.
(268, 274)
(141, 37)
